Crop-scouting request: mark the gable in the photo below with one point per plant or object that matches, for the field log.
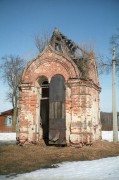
(78, 55)
(49, 63)
(62, 51)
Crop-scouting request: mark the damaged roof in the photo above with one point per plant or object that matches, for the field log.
(66, 46)
(61, 43)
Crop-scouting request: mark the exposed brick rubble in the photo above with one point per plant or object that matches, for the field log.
(82, 110)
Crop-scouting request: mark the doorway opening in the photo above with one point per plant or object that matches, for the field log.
(52, 110)
(44, 109)
(57, 119)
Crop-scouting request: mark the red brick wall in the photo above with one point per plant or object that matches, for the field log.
(82, 99)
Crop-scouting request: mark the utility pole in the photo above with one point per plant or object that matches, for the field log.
(115, 129)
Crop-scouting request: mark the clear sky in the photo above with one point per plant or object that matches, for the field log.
(83, 21)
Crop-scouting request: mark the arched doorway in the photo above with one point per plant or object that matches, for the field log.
(57, 124)
(44, 108)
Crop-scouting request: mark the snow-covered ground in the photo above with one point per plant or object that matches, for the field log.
(106, 135)
(102, 169)
(7, 136)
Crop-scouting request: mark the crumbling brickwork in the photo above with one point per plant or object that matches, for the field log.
(81, 106)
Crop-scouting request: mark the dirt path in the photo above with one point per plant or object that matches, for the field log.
(20, 159)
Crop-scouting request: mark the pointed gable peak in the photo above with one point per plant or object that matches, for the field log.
(56, 29)
(62, 44)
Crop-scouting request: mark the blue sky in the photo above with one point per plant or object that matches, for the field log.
(83, 21)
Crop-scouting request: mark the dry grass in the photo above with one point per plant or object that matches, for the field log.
(20, 159)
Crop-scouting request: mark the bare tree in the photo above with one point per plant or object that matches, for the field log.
(41, 41)
(12, 67)
(112, 64)
(115, 43)
(105, 63)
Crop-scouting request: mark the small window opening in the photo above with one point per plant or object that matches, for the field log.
(8, 121)
(45, 89)
(58, 47)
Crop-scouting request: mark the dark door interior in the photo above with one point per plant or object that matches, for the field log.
(57, 124)
(44, 110)
(45, 119)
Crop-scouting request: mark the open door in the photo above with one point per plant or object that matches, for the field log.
(44, 110)
(57, 124)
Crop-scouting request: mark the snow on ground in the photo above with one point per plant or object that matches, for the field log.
(7, 136)
(102, 169)
(106, 135)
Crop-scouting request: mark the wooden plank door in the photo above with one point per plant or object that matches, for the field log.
(57, 124)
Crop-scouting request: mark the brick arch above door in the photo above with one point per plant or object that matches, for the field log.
(49, 66)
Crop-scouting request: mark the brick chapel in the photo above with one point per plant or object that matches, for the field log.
(59, 96)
